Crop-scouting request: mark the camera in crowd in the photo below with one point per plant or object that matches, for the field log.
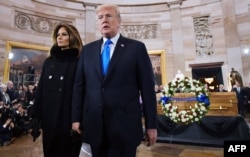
(18, 115)
(8, 112)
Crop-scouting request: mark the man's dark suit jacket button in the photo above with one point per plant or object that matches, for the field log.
(103, 89)
(60, 89)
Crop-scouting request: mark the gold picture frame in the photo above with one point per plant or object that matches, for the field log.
(158, 61)
(24, 55)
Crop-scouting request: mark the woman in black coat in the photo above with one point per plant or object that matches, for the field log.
(52, 106)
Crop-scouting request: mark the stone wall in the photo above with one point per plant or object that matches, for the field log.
(30, 22)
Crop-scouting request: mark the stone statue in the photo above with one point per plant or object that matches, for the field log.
(179, 75)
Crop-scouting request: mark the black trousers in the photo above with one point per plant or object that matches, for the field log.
(105, 149)
(109, 151)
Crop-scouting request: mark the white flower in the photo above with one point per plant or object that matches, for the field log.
(174, 114)
(196, 119)
(183, 112)
(198, 89)
(183, 120)
(203, 108)
(192, 88)
(168, 105)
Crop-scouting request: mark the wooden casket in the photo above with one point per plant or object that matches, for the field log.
(221, 103)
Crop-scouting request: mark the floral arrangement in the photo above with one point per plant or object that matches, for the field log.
(185, 85)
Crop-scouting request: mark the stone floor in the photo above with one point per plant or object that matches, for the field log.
(25, 147)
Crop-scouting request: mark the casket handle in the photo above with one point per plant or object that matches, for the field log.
(219, 108)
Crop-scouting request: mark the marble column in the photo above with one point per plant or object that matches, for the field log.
(90, 23)
(177, 37)
(232, 37)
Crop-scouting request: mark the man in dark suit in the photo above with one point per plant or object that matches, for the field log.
(31, 72)
(240, 93)
(106, 108)
(247, 103)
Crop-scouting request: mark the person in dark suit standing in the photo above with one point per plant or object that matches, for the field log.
(240, 93)
(106, 106)
(52, 105)
(31, 73)
(247, 99)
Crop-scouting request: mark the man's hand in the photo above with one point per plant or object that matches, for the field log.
(76, 127)
(151, 136)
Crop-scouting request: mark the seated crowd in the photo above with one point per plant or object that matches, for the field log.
(15, 107)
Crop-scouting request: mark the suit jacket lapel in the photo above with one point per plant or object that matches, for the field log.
(97, 53)
(118, 51)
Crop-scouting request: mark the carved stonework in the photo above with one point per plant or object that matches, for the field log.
(203, 36)
(139, 31)
(35, 23)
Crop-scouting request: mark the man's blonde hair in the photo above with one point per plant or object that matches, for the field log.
(110, 6)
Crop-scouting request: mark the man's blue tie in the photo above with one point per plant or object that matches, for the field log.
(106, 56)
